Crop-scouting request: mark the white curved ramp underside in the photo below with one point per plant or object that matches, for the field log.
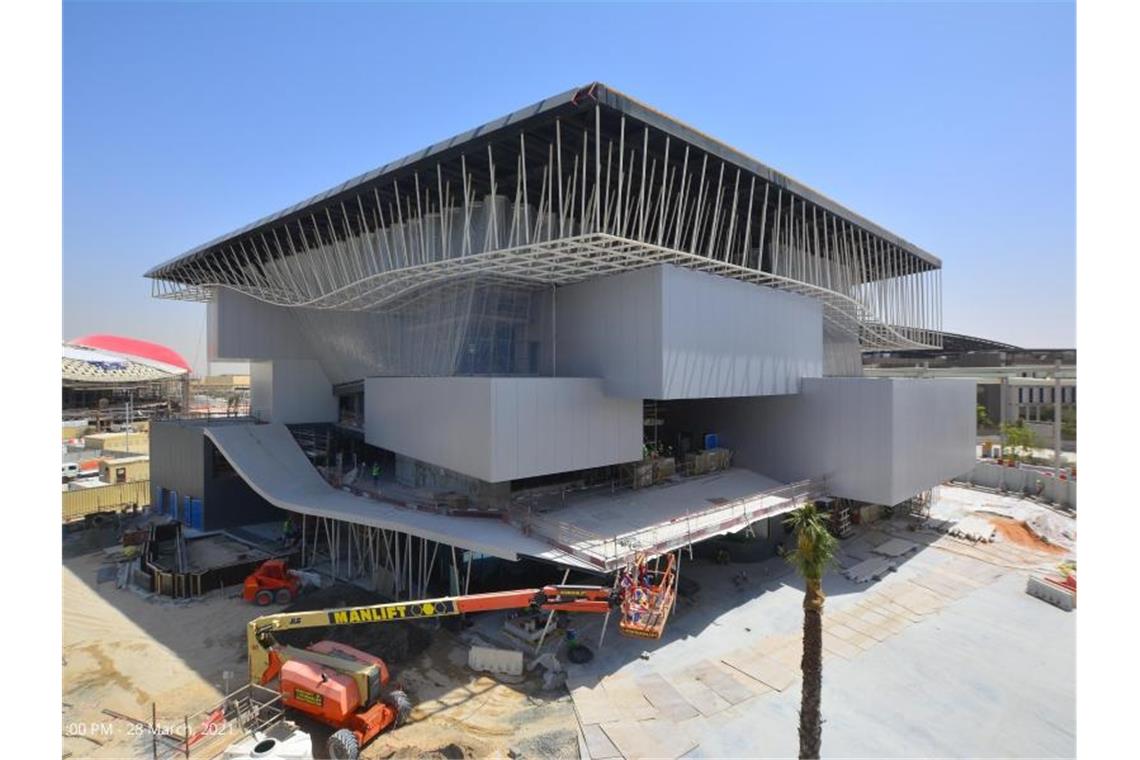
(268, 458)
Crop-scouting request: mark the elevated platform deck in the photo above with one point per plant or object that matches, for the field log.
(268, 458)
(598, 529)
(608, 528)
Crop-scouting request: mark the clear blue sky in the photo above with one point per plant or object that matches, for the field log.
(952, 125)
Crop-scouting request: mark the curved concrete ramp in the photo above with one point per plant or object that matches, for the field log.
(268, 458)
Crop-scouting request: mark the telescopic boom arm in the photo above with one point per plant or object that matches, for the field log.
(259, 632)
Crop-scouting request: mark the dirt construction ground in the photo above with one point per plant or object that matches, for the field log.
(124, 650)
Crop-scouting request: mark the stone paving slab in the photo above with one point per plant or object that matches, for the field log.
(766, 670)
(941, 585)
(870, 569)
(722, 682)
(648, 739)
(876, 631)
(872, 616)
(698, 694)
(920, 600)
(896, 625)
(598, 744)
(839, 647)
(896, 547)
(789, 656)
(836, 628)
(663, 696)
(625, 694)
(863, 642)
(590, 702)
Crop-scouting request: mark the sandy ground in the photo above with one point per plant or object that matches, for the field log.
(1026, 522)
(125, 651)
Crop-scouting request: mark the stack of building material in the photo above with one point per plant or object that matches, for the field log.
(973, 528)
(643, 474)
(664, 467)
(874, 568)
(896, 547)
(696, 464)
(718, 459)
(1050, 591)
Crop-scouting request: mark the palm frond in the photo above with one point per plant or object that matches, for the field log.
(815, 547)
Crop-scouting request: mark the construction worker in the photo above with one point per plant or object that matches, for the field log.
(375, 473)
(287, 531)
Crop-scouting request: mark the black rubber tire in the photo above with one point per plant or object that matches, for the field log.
(283, 596)
(399, 701)
(579, 654)
(342, 745)
(263, 598)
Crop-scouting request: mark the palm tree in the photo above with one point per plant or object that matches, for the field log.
(814, 552)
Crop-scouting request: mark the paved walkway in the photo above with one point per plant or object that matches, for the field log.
(946, 656)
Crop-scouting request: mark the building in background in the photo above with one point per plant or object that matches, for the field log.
(606, 328)
(111, 381)
(1014, 384)
(220, 394)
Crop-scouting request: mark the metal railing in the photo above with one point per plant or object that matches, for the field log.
(251, 708)
(610, 552)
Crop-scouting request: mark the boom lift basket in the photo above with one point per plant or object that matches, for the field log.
(645, 607)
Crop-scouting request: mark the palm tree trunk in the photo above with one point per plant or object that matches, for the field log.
(811, 664)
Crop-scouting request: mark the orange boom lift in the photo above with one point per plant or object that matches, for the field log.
(348, 689)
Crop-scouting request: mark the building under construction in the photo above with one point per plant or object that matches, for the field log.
(111, 381)
(577, 333)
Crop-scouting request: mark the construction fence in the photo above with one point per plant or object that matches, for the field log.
(110, 498)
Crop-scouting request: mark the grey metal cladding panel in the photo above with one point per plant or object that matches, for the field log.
(933, 433)
(722, 337)
(442, 421)
(549, 425)
(245, 329)
(610, 327)
(852, 425)
(498, 429)
(178, 458)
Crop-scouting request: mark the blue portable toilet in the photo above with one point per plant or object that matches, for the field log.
(196, 514)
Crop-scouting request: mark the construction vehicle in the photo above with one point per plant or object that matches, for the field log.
(272, 581)
(348, 689)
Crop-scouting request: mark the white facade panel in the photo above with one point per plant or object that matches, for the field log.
(878, 440)
(849, 438)
(668, 333)
(241, 328)
(610, 327)
(502, 428)
(723, 337)
(933, 435)
(291, 391)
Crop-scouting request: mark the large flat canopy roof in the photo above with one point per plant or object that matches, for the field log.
(545, 111)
